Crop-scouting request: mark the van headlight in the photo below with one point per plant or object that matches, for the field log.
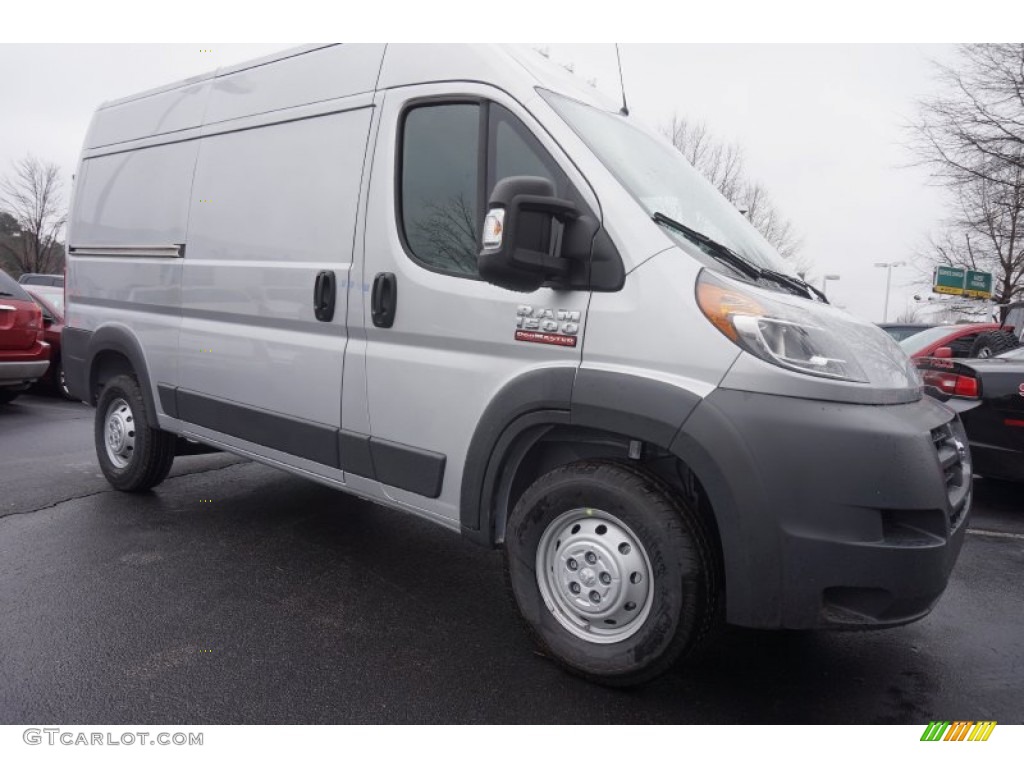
(782, 334)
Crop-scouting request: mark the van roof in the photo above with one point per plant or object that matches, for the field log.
(219, 72)
(226, 94)
(539, 66)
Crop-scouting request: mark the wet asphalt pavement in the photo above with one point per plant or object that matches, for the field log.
(236, 593)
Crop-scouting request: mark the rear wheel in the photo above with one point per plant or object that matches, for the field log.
(992, 343)
(134, 455)
(612, 573)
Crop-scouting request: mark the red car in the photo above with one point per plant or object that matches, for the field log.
(51, 302)
(24, 353)
(960, 339)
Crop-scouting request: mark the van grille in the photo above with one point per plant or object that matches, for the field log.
(950, 443)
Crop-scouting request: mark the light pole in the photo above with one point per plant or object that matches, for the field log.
(887, 266)
(825, 279)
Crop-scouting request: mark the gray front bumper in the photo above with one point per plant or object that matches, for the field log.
(830, 514)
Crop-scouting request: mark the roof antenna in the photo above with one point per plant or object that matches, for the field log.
(622, 84)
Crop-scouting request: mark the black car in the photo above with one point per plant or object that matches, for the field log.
(989, 394)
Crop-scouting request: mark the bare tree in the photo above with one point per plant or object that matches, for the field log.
(976, 126)
(33, 195)
(723, 165)
(777, 230)
(448, 232)
(972, 138)
(912, 314)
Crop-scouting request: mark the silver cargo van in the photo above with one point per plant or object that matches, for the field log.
(456, 282)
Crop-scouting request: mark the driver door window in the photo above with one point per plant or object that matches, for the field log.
(445, 179)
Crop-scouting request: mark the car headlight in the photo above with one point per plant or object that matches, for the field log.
(777, 332)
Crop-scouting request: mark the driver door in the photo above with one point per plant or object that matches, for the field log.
(434, 366)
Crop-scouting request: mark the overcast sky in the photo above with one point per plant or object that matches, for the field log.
(821, 127)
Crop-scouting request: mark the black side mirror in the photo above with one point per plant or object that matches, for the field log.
(518, 250)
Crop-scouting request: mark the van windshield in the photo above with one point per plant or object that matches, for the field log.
(662, 181)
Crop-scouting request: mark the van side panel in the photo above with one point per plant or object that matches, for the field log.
(136, 198)
(272, 207)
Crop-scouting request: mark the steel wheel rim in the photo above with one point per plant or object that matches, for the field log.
(119, 433)
(600, 555)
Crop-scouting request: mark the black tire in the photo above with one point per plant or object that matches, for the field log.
(992, 343)
(680, 608)
(147, 463)
(8, 395)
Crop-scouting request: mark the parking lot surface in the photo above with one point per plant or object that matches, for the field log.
(236, 593)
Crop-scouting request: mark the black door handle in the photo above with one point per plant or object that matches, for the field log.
(323, 296)
(384, 300)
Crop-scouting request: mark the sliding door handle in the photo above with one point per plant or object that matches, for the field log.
(384, 300)
(324, 291)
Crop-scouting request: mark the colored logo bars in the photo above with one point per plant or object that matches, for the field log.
(959, 730)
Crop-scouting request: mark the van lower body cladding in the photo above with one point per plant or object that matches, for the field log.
(830, 514)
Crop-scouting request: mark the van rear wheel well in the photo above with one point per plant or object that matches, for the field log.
(107, 365)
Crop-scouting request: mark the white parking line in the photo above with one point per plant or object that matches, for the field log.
(995, 534)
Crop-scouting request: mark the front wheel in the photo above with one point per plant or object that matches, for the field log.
(612, 573)
(133, 454)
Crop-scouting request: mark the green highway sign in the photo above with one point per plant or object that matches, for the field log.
(949, 280)
(978, 285)
(956, 281)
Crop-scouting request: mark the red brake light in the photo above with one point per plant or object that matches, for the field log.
(966, 387)
(37, 322)
(951, 383)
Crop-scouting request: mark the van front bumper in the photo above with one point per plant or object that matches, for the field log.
(831, 514)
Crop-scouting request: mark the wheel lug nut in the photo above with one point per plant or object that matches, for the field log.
(606, 578)
(574, 588)
(590, 557)
(595, 596)
(571, 564)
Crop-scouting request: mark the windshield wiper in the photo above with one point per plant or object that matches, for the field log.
(739, 263)
(795, 282)
(723, 253)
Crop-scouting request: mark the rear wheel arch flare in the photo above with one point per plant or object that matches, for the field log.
(114, 350)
